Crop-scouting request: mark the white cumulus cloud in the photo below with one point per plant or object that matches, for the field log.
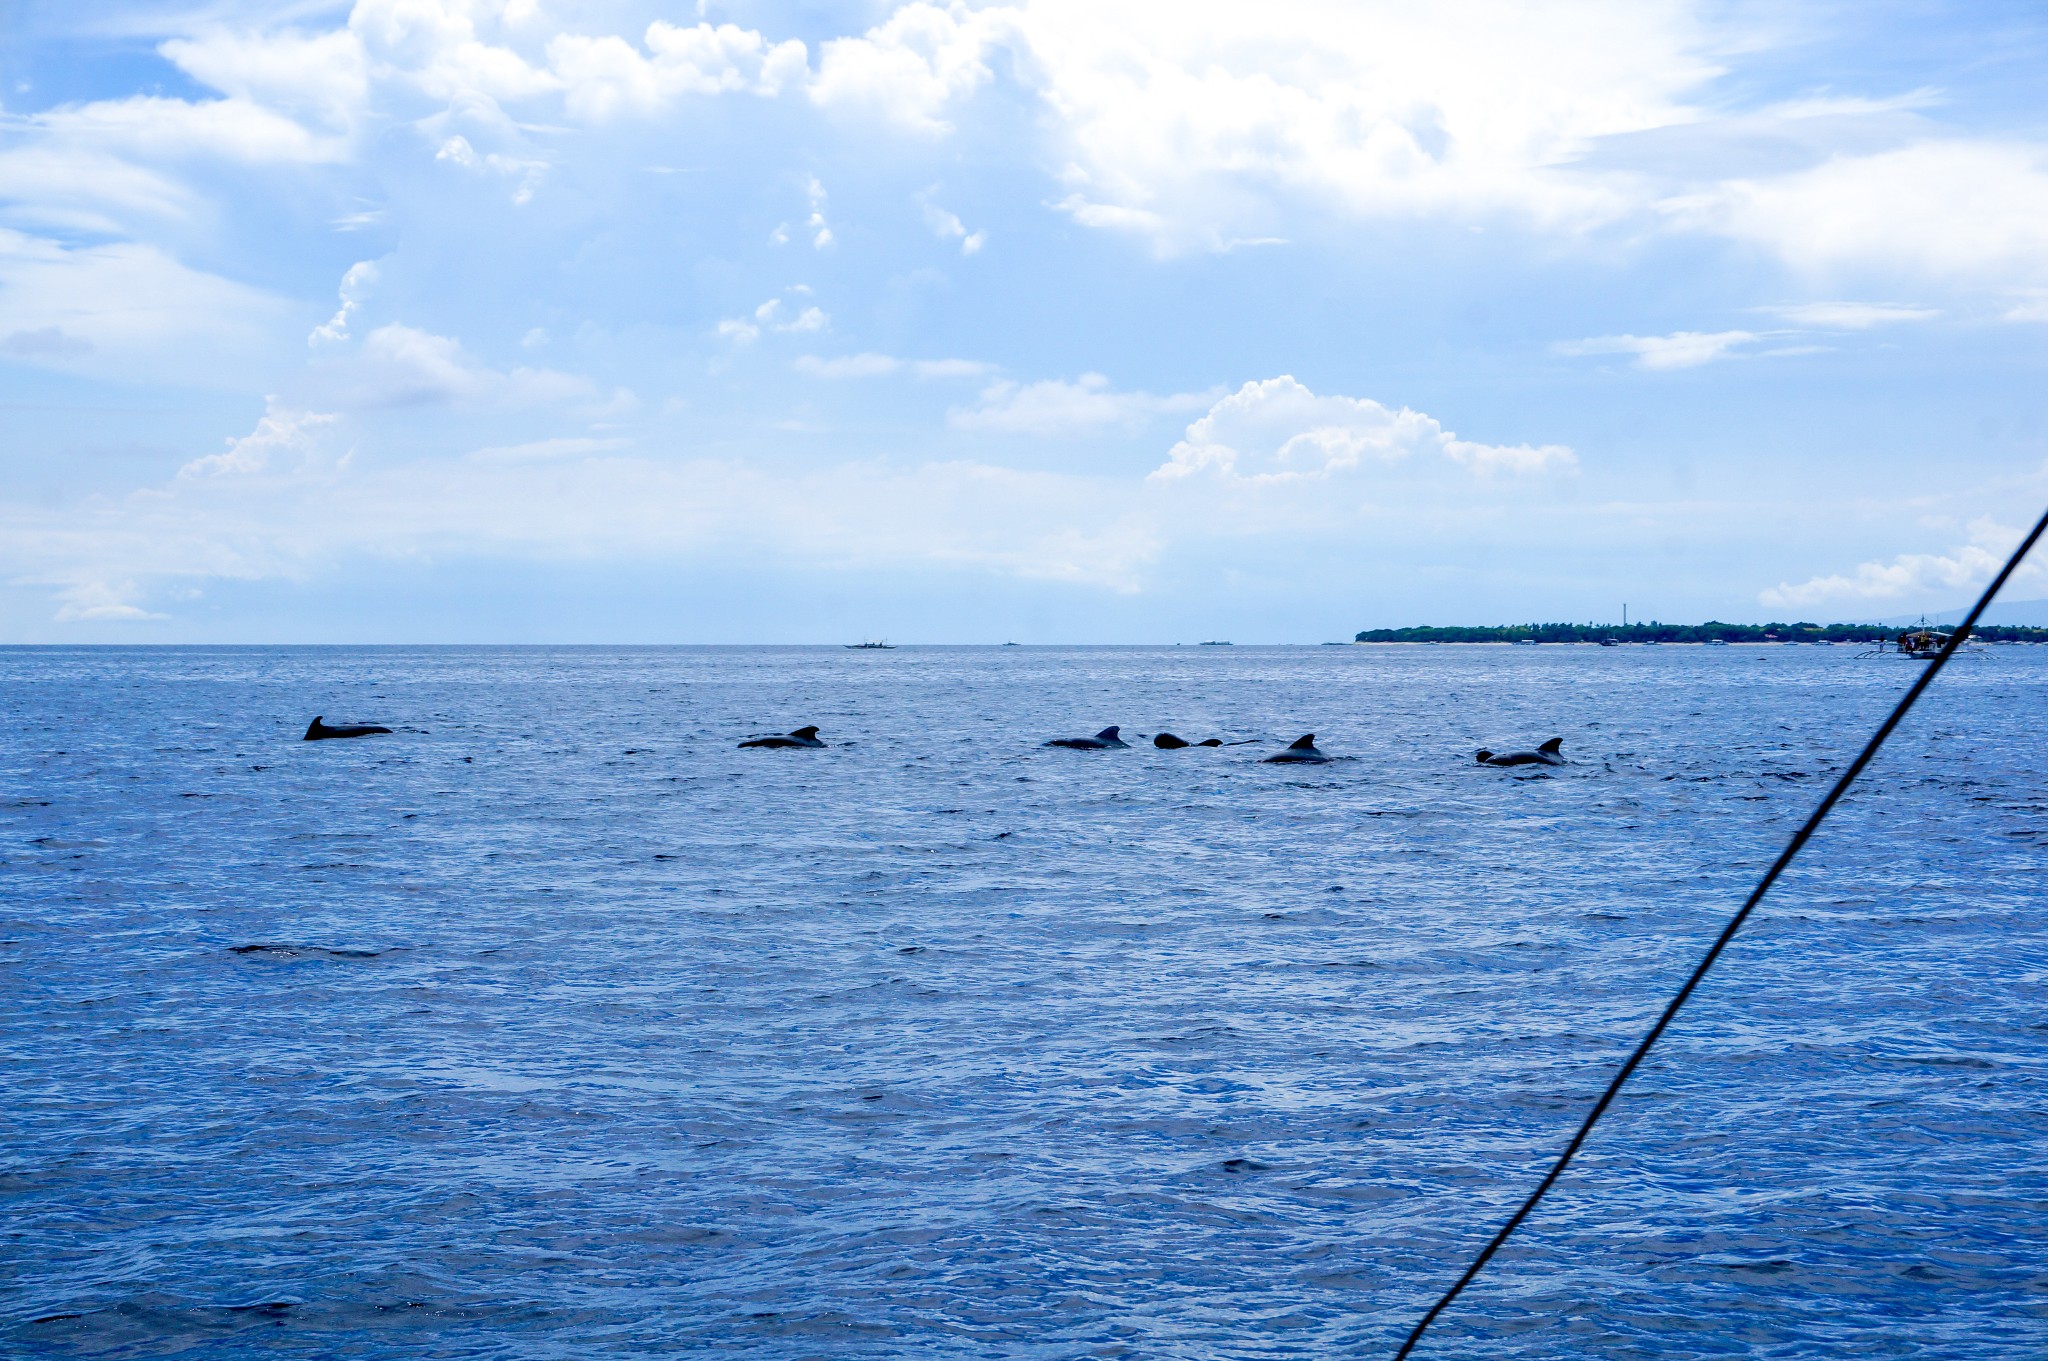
(1909, 576)
(821, 230)
(1277, 430)
(605, 76)
(1188, 122)
(281, 429)
(103, 602)
(355, 286)
(448, 49)
(774, 316)
(947, 226)
(321, 78)
(911, 68)
(1956, 210)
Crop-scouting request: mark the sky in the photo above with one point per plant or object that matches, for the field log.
(1076, 321)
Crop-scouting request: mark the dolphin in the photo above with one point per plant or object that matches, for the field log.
(1302, 751)
(1102, 741)
(1545, 755)
(316, 731)
(802, 737)
(1166, 741)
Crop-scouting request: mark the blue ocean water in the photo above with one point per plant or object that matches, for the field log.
(554, 1025)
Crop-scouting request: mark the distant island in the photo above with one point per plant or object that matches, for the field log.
(1710, 632)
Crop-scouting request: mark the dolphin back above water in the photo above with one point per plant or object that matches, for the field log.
(1545, 755)
(802, 737)
(317, 731)
(1301, 752)
(1166, 741)
(1102, 741)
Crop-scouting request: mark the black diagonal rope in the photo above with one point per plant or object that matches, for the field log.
(1792, 848)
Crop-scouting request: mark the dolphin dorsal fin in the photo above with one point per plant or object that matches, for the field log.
(1108, 734)
(1306, 742)
(805, 732)
(1552, 745)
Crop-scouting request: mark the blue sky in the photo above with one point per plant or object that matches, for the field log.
(529, 320)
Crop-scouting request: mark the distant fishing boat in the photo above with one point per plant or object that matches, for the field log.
(1216, 643)
(1923, 643)
(873, 644)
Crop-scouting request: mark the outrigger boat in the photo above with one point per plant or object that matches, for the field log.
(1922, 643)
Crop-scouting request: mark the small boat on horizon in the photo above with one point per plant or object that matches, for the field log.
(872, 645)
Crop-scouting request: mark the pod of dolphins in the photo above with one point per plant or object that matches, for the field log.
(1301, 752)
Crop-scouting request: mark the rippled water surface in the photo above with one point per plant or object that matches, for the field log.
(554, 1025)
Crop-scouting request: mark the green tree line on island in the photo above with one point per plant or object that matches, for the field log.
(1711, 631)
